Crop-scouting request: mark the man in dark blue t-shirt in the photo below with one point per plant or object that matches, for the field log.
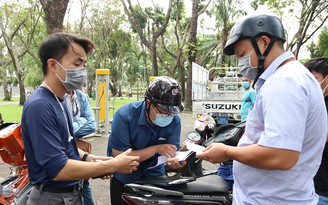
(53, 160)
(151, 128)
(319, 69)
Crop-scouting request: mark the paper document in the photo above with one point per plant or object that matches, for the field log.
(194, 147)
(181, 155)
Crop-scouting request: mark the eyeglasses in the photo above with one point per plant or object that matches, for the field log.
(161, 112)
(75, 107)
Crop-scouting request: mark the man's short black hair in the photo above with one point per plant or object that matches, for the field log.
(319, 65)
(56, 46)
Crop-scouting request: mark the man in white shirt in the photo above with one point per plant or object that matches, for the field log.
(280, 152)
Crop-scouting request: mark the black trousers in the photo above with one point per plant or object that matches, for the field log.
(116, 191)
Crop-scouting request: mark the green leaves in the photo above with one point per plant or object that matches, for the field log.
(320, 49)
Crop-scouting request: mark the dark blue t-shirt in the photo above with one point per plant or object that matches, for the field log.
(46, 142)
(321, 178)
(130, 129)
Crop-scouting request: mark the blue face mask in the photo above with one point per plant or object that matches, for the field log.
(245, 84)
(162, 120)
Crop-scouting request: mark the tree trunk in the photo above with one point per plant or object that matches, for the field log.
(5, 84)
(224, 40)
(182, 78)
(22, 95)
(54, 11)
(297, 50)
(144, 58)
(191, 52)
(6, 91)
(153, 54)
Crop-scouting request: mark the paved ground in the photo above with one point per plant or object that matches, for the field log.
(100, 188)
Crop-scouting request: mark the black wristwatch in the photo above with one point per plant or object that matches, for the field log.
(85, 156)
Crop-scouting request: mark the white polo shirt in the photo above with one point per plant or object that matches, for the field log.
(289, 113)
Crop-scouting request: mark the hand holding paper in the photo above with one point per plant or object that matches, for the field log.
(181, 155)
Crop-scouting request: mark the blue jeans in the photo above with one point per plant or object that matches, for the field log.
(86, 193)
(225, 171)
(323, 200)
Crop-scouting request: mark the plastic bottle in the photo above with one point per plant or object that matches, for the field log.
(9, 191)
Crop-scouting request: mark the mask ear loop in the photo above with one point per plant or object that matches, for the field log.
(148, 109)
(62, 67)
(261, 57)
(324, 90)
(323, 80)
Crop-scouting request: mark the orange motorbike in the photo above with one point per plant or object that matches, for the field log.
(14, 189)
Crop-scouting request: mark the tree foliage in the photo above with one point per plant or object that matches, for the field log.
(19, 28)
(134, 42)
(322, 44)
(311, 15)
(226, 13)
(320, 49)
(156, 27)
(113, 43)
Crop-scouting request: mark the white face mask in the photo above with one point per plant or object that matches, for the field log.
(324, 90)
(75, 78)
(245, 66)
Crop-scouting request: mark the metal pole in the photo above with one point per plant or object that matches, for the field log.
(106, 120)
(103, 75)
(96, 109)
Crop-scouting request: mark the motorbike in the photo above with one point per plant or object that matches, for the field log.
(195, 185)
(209, 189)
(207, 131)
(15, 188)
(204, 127)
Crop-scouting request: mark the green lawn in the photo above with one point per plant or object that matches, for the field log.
(12, 112)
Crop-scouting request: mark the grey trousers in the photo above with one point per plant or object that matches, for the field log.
(38, 197)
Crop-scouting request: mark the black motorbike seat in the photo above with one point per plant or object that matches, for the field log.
(205, 185)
